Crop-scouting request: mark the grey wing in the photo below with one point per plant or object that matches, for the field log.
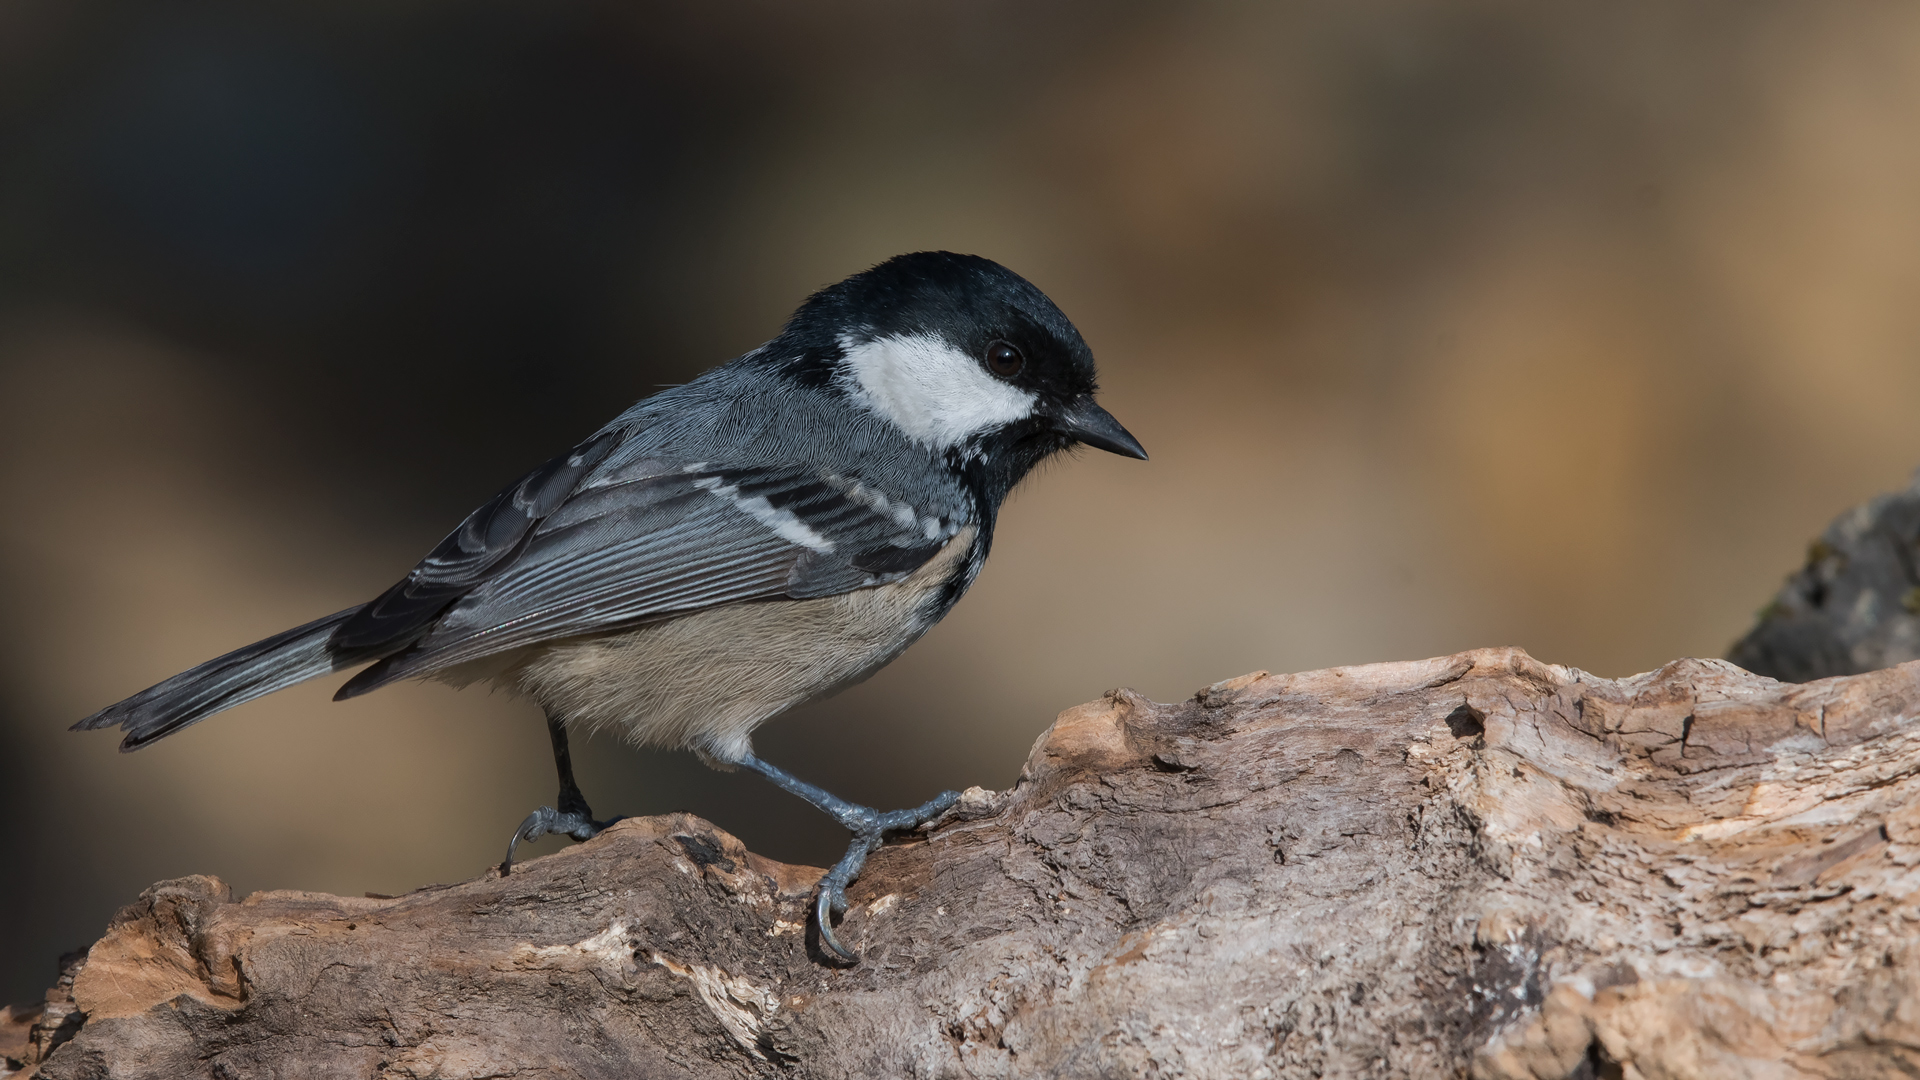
(654, 539)
(486, 541)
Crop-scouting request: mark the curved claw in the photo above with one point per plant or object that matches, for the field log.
(534, 826)
(832, 897)
(547, 820)
(822, 906)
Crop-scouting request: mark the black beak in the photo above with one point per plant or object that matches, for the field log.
(1085, 422)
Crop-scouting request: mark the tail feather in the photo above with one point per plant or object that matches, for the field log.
(274, 663)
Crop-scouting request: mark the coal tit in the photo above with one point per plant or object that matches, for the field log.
(775, 530)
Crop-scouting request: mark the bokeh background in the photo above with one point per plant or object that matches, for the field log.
(1554, 325)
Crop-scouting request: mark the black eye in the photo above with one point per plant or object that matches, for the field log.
(1004, 360)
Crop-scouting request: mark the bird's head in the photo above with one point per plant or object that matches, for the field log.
(961, 355)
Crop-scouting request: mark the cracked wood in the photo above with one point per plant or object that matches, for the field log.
(1473, 864)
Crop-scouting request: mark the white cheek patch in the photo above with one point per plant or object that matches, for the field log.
(933, 392)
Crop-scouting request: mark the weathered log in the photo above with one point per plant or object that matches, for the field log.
(1478, 863)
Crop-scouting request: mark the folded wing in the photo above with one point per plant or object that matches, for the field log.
(631, 545)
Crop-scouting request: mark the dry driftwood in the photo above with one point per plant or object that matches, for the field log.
(1478, 863)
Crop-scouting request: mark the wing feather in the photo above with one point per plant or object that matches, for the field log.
(485, 541)
(640, 545)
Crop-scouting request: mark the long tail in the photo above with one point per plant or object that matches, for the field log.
(277, 662)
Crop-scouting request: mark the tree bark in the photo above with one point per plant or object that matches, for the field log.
(1477, 864)
(1854, 606)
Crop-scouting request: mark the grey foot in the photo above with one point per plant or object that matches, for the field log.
(870, 828)
(545, 821)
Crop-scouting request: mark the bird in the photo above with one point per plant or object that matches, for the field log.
(773, 531)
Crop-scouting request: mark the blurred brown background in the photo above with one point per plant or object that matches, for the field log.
(1562, 326)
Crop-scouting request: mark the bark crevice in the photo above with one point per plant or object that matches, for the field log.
(1477, 864)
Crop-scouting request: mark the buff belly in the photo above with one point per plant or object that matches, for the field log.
(704, 681)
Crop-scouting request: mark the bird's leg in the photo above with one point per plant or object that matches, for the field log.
(570, 815)
(868, 826)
